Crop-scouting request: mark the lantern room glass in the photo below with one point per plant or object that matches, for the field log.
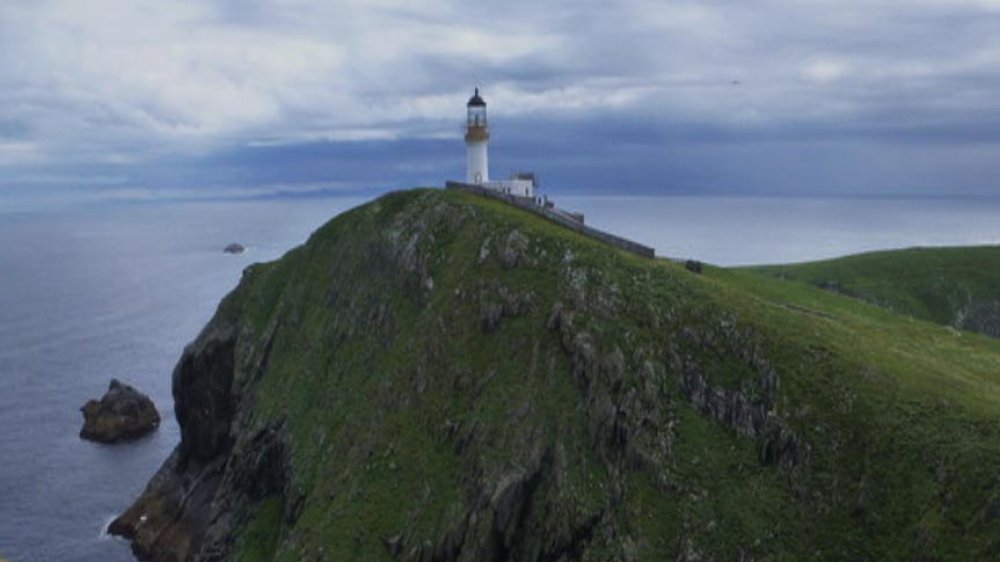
(477, 116)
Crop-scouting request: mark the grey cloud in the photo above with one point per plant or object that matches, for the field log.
(707, 93)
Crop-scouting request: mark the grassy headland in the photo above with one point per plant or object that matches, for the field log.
(437, 376)
(959, 287)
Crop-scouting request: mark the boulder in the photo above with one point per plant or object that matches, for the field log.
(122, 413)
(694, 266)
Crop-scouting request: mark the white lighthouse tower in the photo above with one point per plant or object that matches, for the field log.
(477, 137)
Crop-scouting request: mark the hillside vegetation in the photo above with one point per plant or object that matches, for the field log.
(959, 287)
(438, 377)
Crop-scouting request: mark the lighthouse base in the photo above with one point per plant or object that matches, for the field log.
(477, 163)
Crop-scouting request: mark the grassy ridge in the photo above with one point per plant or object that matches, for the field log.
(927, 358)
(959, 287)
(405, 407)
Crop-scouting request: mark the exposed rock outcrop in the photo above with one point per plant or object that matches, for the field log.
(123, 413)
(514, 249)
(497, 303)
(980, 316)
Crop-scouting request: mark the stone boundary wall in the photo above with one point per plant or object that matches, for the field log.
(559, 217)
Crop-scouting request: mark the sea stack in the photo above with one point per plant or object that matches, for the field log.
(123, 413)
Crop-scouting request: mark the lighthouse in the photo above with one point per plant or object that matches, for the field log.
(477, 137)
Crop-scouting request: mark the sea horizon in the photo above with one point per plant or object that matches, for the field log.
(829, 228)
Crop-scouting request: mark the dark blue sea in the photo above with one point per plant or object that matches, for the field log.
(90, 294)
(97, 292)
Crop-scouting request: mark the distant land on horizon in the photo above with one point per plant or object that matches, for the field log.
(112, 196)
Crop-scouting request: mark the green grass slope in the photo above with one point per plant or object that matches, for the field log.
(959, 287)
(456, 379)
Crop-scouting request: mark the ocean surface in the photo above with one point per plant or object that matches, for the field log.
(92, 294)
(117, 291)
(763, 230)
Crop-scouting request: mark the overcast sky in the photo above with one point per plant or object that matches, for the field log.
(199, 98)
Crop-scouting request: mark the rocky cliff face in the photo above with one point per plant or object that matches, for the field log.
(170, 520)
(981, 316)
(433, 377)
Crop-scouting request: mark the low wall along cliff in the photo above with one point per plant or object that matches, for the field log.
(557, 216)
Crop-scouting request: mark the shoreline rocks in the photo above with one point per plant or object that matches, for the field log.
(190, 501)
(123, 413)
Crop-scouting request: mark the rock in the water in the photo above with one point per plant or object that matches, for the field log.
(234, 248)
(122, 413)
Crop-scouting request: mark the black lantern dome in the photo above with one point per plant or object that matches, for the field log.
(476, 101)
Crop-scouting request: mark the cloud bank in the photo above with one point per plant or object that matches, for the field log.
(642, 96)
